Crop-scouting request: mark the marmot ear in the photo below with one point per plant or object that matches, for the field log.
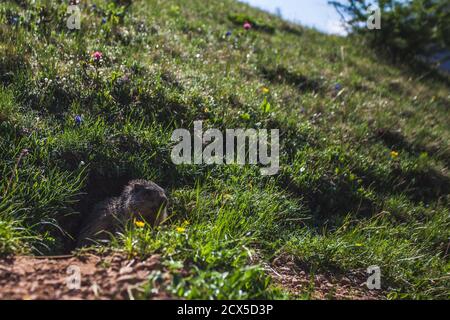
(139, 187)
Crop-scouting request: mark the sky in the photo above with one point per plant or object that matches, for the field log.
(312, 13)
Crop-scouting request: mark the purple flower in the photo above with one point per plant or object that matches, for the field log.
(104, 20)
(123, 80)
(338, 87)
(229, 33)
(78, 120)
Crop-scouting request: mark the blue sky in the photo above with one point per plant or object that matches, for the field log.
(313, 13)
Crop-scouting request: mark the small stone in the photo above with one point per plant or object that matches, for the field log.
(126, 270)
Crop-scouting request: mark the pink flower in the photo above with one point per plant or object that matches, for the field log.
(247, 25)
(97, 55)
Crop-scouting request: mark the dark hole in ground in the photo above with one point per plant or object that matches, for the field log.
(98, 188)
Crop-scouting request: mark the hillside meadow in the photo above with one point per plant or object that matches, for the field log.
(364, 146)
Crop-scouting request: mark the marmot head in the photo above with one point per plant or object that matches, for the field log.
(145, 200)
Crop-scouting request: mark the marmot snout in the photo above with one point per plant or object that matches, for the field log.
(144, 200)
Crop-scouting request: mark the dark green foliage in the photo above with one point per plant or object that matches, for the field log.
(408, 28)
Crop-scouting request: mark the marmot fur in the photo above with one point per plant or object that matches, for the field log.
(141, 200)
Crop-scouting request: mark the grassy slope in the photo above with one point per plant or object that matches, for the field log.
(341, 201)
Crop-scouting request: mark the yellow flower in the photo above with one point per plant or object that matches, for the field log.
(394, 154)
(265, 90)
(227, 196)
(139, 224)
(181, 229)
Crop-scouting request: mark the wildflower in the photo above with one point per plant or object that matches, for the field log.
(123, 80)
(227, 196)
(139, 224)
(104, 20)
(394, 154)
(247, 25)
(78, 120)
(338, 87)
(181, 229)
(228, 34)
(265, 90)
(97, 56)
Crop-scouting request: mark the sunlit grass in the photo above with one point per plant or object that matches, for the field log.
(364, 145)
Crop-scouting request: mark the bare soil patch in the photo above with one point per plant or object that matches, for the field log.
(117, 276)
(298, 281)
(113, 276)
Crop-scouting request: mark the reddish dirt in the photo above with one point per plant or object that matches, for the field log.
(292, 277)
(116, 276)
(113, 276)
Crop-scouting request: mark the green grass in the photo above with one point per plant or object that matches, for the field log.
(342, 200)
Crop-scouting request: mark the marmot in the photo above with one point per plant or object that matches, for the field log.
(140, 200)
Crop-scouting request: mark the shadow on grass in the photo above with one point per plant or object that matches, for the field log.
(394, 140)
(240, 19)
(295, 30)
(331, 200)
(283, 75)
